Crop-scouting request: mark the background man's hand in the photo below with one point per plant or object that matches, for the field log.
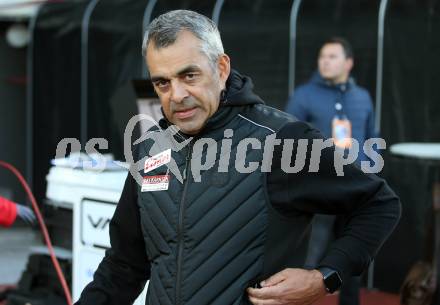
(26, 214)
(289, 287)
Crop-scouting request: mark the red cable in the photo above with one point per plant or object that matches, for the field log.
(43, 229)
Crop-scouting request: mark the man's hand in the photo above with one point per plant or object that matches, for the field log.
(26, 214)
(289, 287)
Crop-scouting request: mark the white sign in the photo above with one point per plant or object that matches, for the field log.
(95, 222)
(155, 183)
(157, 160)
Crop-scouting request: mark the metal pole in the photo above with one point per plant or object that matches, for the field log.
(292, 44)
(84, 68)
(379, 80)
(216, 11)
(30, 100)
(379, 71)
(145, 22)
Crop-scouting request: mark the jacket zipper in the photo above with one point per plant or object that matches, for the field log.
(180, 225)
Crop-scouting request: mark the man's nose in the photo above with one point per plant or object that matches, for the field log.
(178, 92)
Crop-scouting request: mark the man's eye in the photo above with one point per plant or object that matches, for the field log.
(190, 76)
(161, 83)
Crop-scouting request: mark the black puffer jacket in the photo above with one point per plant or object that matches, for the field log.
(203, 242)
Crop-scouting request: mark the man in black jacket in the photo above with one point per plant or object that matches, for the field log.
(229, 222)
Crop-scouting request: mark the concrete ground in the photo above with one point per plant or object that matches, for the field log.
(15, 245)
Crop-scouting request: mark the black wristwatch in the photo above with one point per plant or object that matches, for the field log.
(332, 280)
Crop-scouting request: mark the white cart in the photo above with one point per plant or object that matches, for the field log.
(93, 197)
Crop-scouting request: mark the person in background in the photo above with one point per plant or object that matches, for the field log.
(10, 211)
(334, 104)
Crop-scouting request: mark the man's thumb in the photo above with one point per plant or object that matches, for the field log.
(273, 280)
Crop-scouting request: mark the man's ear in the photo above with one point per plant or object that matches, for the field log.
(224, 68)
(349, 64)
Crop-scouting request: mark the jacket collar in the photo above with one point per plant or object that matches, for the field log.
(343, 87)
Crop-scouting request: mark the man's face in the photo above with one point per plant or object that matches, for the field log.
(187, 84)
(332, 63)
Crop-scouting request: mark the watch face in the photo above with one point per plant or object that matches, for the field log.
(332, 281)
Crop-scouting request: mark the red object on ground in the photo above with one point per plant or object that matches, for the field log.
(8, 212)
(368, 297)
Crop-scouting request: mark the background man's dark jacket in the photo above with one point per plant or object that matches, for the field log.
(314, 102)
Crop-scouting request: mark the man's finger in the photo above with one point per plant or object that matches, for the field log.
(265, 292)
(257, 301)
(273, 280)
(30, 218)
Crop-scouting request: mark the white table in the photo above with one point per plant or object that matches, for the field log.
(426, 151)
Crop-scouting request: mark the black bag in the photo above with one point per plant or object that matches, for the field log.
(39, 283)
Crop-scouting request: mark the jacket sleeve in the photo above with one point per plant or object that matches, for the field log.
(371, 207)
(123, 272)
(8, 212)
(297, 104)
(370, 131)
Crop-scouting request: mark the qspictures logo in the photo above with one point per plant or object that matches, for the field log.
(163, 143)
